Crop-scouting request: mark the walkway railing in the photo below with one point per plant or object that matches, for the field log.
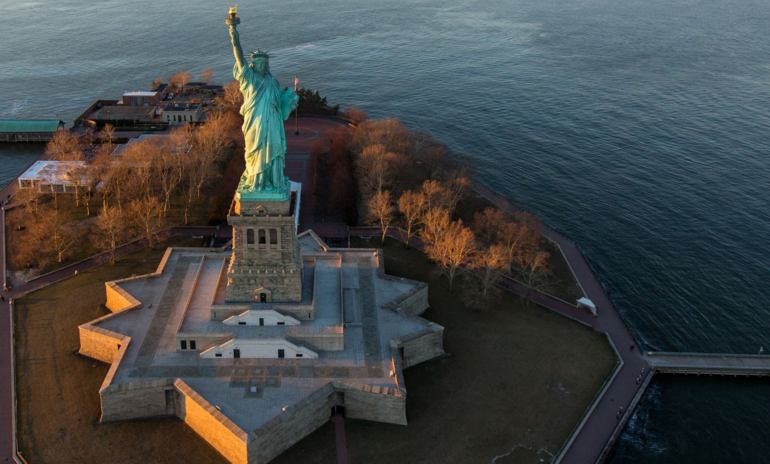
(753, 365)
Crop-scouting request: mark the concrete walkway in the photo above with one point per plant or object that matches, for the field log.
(339, 434)
(300, 166)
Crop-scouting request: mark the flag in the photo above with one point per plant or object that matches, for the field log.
(296, 81)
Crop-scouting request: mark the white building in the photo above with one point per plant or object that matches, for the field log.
(54, 176)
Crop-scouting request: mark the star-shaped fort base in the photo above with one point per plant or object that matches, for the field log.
(255, 378)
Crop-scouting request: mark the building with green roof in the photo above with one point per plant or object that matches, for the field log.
(29, 131)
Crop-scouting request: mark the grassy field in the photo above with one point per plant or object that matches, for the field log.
(519, 377)
(58, 391)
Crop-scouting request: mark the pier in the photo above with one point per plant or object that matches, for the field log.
(751, 365)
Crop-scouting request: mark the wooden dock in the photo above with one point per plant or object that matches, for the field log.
(751, 365)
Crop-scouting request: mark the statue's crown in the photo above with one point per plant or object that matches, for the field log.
(259, 54)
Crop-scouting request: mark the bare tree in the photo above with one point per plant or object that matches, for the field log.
(354, 114)
(453, 249)
(412, 207)
(233, 97)
(173, 162)
(92, 179)
(108, 133)
(180, 79)
(533, 266)
(523, 234)
(147, 216)
(115, 177)
(390, 133)
(436, 195)
(140, 158)
(488, 224)
(490, 263)
(169, 174)
(79, 175)
(374, 169)
(433, 154)
(210, 142)
(435, 223)
(458, 185)
(57, 231)
(110, 230)
(25, 251)
(380, 211)
(64, 147)
(30, 198)
(207, 75)
(517, 234)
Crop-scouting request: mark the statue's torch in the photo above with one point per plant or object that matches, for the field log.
(233, 19)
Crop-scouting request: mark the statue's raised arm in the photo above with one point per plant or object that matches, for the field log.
(237, 48)
(233, 21)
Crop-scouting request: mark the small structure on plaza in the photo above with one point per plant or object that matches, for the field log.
(255, 346)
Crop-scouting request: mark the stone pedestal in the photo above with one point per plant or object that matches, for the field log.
(266, 265)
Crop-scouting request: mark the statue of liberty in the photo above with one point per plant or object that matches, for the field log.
(265, 107)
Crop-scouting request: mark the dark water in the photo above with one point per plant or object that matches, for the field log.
(638, 128)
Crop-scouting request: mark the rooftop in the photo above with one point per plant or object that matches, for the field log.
(51, 171)
(140, 93)
(160, 87)
(49, 125)
(182, 107)
(125, 110)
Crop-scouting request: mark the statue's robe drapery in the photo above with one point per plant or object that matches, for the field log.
(265, 107)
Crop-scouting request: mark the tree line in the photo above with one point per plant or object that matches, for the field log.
(119, 196)
(409, 180)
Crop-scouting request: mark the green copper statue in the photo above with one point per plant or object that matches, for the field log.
(265, 107)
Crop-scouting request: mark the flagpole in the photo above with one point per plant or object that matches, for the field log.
(296, 111)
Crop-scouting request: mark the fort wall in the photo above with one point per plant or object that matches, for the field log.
(374, 403)
(99, 343)
(208, 422)
(422, 346)
(321, 341)
(137, 400)
(292, 425)
(119, 299)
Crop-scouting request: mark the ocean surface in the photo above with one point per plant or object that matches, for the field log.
(640, 129)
